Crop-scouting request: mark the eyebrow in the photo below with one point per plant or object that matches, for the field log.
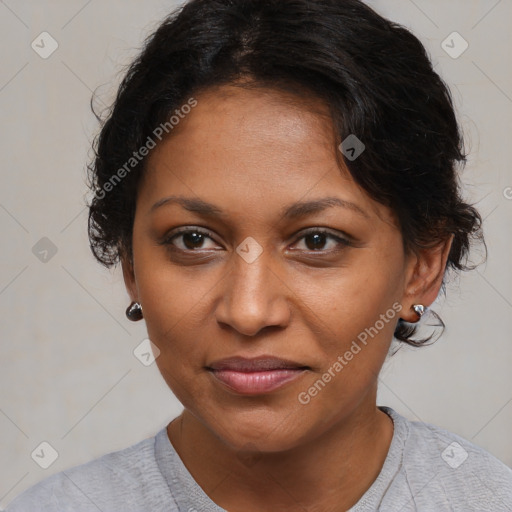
(293, 211)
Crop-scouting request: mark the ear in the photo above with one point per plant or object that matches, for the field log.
(129, 278)
(425, 273)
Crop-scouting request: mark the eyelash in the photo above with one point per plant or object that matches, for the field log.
(340, 241)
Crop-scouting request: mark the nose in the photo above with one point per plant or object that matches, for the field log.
(253, 297)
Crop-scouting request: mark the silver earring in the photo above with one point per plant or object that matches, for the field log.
(419, 309)
(134, 312)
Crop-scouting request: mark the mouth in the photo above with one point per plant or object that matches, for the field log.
(255, 375)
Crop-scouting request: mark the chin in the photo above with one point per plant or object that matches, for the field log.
(260, 430)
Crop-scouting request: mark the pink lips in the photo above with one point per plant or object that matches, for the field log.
(255, 376)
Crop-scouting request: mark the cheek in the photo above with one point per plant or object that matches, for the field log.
(350, 299)
(170, 294)
(356, 310)
(173, 313)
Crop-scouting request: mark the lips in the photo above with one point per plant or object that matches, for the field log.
(256, 364)
(256, 375)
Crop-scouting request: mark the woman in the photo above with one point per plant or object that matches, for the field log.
(278, 181)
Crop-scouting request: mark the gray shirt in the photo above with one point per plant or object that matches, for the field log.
(427, 469)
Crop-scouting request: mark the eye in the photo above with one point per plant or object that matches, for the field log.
(189, 239)
(321, 240)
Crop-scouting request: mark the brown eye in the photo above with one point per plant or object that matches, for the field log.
(319, 240)
(315, 241)
(189, 239)
(193, 239)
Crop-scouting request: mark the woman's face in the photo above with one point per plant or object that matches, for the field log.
(286, 257)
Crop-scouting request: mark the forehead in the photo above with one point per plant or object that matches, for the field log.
(255, 119)
(258, 146)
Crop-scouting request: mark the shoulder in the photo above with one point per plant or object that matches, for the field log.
(460, 474)
(127, 479)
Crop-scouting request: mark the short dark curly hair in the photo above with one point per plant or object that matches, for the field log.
(373, 74)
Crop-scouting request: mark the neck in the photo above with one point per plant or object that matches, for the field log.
(330, 472)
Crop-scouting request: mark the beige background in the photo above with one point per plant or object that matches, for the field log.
(68, 375)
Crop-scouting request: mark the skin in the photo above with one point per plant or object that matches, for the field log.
(252, 152)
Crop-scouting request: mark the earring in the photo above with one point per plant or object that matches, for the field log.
(134, 312)
(419, 309)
